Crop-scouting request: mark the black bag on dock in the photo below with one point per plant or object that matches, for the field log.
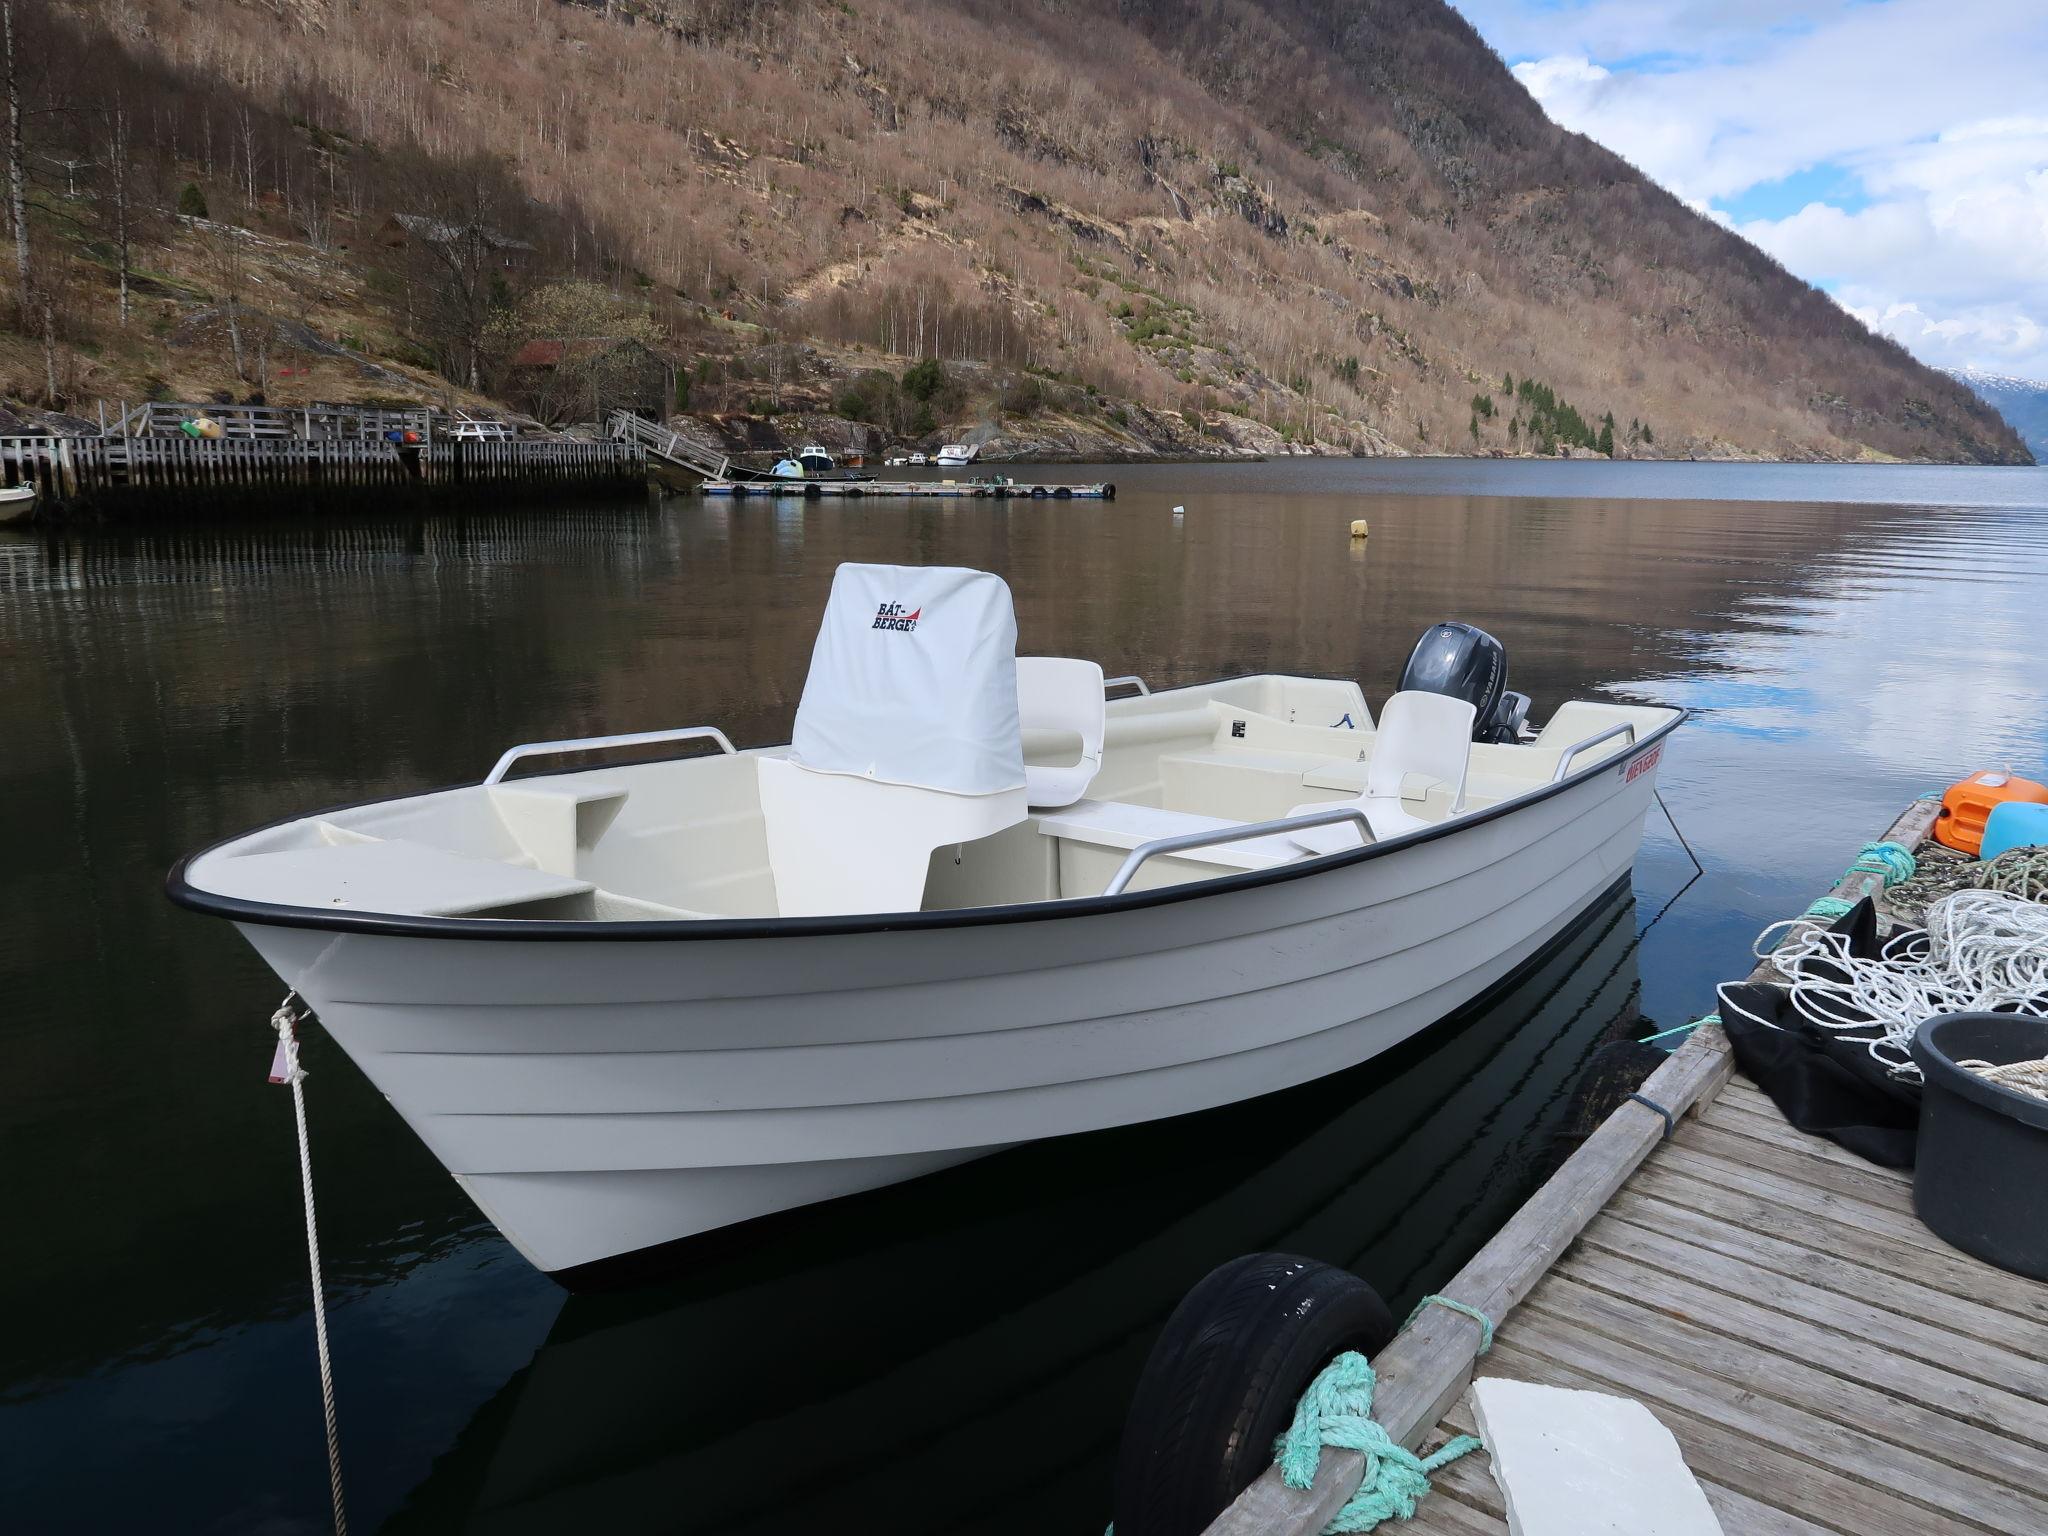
(1820, 1082)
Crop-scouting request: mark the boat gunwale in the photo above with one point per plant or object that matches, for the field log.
(412, 925)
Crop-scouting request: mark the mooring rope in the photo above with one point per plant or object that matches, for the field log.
(1452, 1304)
(285, 1021)
(2028, 1077)
(1337, 1410)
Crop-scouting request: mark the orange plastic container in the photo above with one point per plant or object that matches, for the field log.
(1969, 803)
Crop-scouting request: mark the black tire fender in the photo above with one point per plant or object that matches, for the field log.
(1222, 1383)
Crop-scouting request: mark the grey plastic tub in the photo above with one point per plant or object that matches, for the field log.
(1980, 1180)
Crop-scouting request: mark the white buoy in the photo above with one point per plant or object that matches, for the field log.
(1358, 528)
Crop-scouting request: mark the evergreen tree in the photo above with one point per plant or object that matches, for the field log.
(192, 201)
(1607, 437)
(1475, 426)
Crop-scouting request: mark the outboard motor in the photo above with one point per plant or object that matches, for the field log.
(1465, 662)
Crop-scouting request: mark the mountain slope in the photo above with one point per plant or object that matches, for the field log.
(1345, 221)
(2022, 402)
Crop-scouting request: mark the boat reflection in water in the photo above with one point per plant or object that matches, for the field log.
(957, 1353)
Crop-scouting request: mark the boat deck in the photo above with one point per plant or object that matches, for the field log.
(1826, 1362)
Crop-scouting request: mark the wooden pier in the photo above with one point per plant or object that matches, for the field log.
(126, 478)
(1827, 1364)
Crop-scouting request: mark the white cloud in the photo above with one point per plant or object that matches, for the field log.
(1933, 107)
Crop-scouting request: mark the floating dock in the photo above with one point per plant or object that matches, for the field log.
(1827, 1364)
(1000, 490)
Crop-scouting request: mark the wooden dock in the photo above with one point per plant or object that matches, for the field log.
(1827, 1364)
(1000, 490)
(126, 478)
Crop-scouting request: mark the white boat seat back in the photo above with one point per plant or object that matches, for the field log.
(1424, 739)
(1060, 693)
(907, 738)
(1421, 733)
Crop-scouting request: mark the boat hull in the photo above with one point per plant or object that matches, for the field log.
(598, 1097)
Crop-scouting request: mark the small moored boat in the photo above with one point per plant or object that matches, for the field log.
(973, 903)
(17, 503)
(953, 455)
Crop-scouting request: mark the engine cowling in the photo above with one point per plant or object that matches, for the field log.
(1464, 662)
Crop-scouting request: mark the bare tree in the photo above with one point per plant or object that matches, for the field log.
(228, 266)
(119, 202)
(17, 163)
(460, 253)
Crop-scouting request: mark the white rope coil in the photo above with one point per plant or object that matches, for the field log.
(2028, 1077)
(1984, 952)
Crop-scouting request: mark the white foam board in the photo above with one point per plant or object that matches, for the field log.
(1586, 1464)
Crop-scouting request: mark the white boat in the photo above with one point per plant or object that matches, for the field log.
(17, 503)
(918, 459)
(972, 904)
(953, 455)
(815, 460)
(787, 469)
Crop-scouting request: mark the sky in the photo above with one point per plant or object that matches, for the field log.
(1895, 152)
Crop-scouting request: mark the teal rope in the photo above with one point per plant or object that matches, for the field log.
(1337, 1410)
(1892, 860)
(1485, 1323)
(1828, 908)
(1705, 1018)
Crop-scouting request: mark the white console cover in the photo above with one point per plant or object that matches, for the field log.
(914, 681)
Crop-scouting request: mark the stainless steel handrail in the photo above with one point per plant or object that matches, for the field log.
(634, 739)
(1133, 681)
(1186, 840)
(1564, 762)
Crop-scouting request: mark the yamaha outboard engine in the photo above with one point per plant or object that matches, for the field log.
(1465, 662)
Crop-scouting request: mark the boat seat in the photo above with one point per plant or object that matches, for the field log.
(395, 875)
(1059, 693)
(1424, 740)
(1116, 824)
(907, 740)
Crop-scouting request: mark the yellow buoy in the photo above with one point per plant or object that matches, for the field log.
(1358, 528)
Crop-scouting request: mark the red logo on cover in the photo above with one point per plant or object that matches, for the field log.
(892, 616)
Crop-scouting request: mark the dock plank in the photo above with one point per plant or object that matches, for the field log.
(1893, 1289)
(1630, 1256)
(1944, 1268)
(1779, 1373)
(1844, 1446)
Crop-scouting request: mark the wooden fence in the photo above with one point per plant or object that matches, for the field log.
(141, 477)
(166, 418)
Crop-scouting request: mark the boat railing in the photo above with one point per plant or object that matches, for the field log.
(1564, 761)
(1132, 681)
(590, 743)
(1186, 841)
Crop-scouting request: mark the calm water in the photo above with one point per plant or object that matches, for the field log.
(951, 1354)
